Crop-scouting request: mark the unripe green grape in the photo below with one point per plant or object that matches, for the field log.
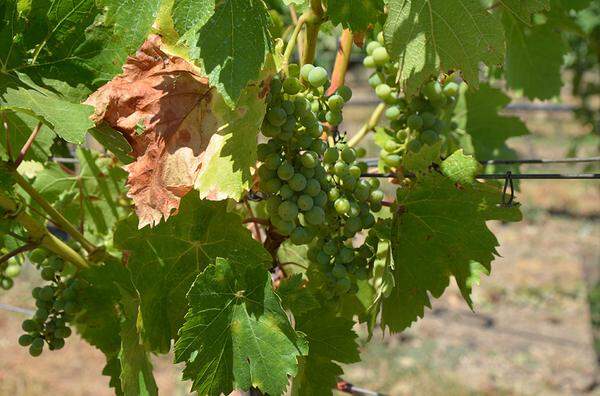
(334, 117)
(309, 159)
(433, 91)
(305, 70)
(345, 92)
(402, 135)
(393, 113)
(339, 271)
(304, 141)
(38, 255)
(376, 196)
(355, 171)
(361, 192)
(367, 220)
(297, 182)
(12, 271)
(451, 89)
(380, 56)
(286, 136)
(331, 155)
(276, 116)
(276, 85)
(317, 77)
(25, 340)
(333, 194)
(318, 146)
(289, 125)
(273, 161)
(348, 182)
(343, 285)
(375, 80)
(271, 186)
(369, 62)
(428, 119)
(270, 130)
(305, 202)
(374, 182)
(429, 137)
(380, 38)
(71, 308)
(272, 204)
(371, 46)
(354, 209)
(289, 107)
(335, 102)
(299, 236)
(47, 293)
(36, 347)
(340, 168)
(393, 160)
(63, 332)
(415, 122)
(313, 187)
(285, 171)
(330, 247)
(288, 210)
(348, 155)
(262, 151)
(315, 106)
(57, 344)
(309, 173)
(342, 205)
(291, 86)
(360, 152)
(345, 255)
(415, 145)
(315, 216)
(301, 106)
(391, 146)
(41, 314)
(320, 199)
(383, 91)
(30, 326)
(322, 258)
(353, 225)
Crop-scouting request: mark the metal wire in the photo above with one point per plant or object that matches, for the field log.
(375, 161)
(516, 176)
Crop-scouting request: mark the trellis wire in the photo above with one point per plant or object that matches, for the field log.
(374, 161)
(516, 176)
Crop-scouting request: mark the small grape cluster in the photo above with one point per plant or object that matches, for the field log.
(414, 121)
(315, 193)
(8, 272)
(291, 171)
(56, 305)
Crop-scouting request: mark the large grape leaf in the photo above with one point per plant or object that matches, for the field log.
(232, 46)
(191, 14)
(438, 229)
(236, 334)
(330, 339)
(182, 133)
(477, 112)
(354, 14)
(70, 121)
(460, 168)
(433, 35)
(166, 259)
(20, 128)
(534, 57)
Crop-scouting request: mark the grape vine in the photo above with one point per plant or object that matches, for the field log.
(211, 119)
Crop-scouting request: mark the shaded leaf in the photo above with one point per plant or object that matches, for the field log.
(354, 14)
(20, 127)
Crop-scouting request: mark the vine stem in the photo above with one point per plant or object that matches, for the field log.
(39, 233)
(338, 76)
(368, 127)
(8, 146)
(22, 249)
(255, 220)
(314, 18)
(299, 39)
(289, 49)
(54, 214)
(28, 144)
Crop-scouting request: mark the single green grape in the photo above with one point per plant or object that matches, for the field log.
(25, 340)
(345, 92)
(292, 86)
(369, 62)
(294, 70)
(36, 347)
(451, 89)
(348, 155)
(276, 116)
(393, 113)
(401, 135)
(299, 236)
(272, 204)
(330, 247)
(334, 117)
(383, 91)
(355, 171)
(380, 56)
(13, 270)
(415, 122)
(371, 46)
(47, 293)
(317, 77)
(288, 210)
(305, 70)
(376, 196)
(428, 119)
(375, 80)
(313, 187)
(38, 256)
(309, 159)
(285, 171)
(339, 271)
(415, 145)
(305, 202)
(297, 182)
(335, 102)
(391, 146)
(331, 155)
(273, 161)
(429, 137)
(270, 130)
(320, 199)
(346, 255)
(271, 186)
(340, 168)
(342, 205)
(433, 91)
(333, 194)
(30, 326)
(315, 216)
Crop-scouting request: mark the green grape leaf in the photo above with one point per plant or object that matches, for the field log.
(534, 58)
(295, 296)
(114, 141)
(460, 168)
(20, 127)
(112, 369)
(330, 339)
(190, 14)
(233, 44)
(421, 160)
(354, 14)
(165, 260)
(477, 113)
(70, 121)
(524, 9)
(432, 35)
(438, 230)
(236, 334)
(136, 369)
(231, 152)
(7, 181)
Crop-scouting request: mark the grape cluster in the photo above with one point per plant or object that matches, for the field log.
(56, 305)
(8, 272)
(315, 193)
(414, 121)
